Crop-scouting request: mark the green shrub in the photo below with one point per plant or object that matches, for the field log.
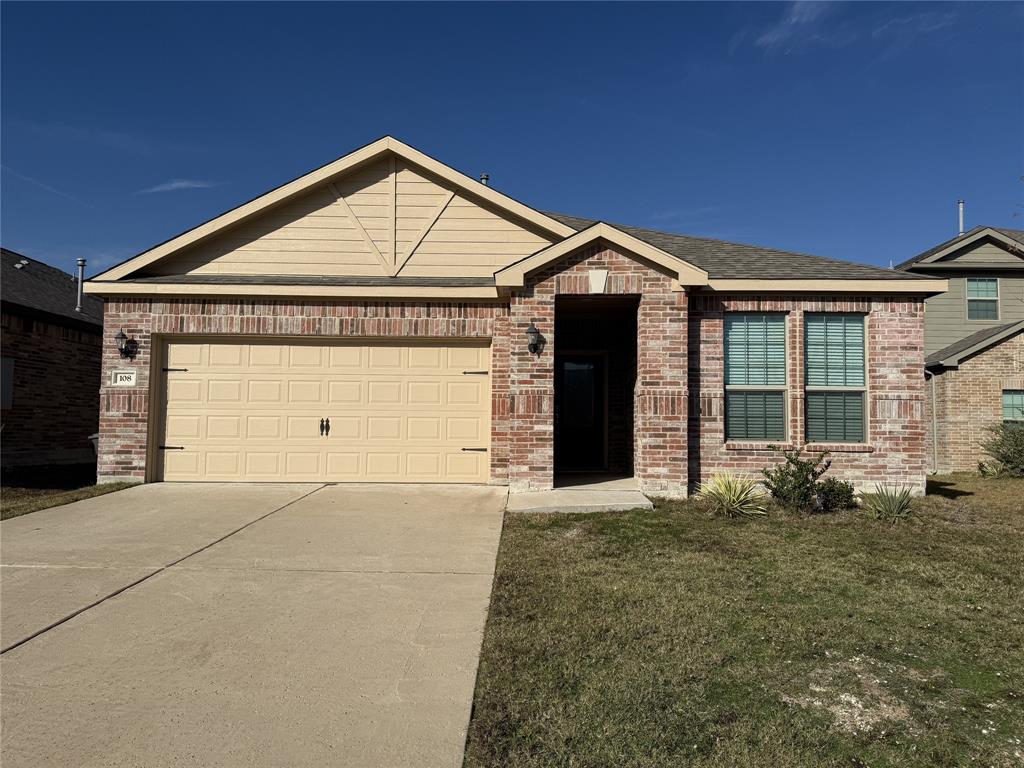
(891, 504)
(793, 483)
(835, 495)
(732, 496)
(1006, 447)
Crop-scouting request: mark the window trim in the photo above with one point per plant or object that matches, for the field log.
(968, 300)
(863, 389)
(1002, 404)
(783, 388)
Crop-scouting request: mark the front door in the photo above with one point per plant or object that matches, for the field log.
(580, 388)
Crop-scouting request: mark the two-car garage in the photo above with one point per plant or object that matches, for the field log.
(345, 411)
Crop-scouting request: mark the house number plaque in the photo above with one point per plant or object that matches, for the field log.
(125, 377)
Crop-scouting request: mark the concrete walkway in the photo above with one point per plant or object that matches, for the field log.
(583, 493)
(246, 625)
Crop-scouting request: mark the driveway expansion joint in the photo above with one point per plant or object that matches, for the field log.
(159, 569)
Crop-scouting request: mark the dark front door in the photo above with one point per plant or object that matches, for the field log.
(580, 413)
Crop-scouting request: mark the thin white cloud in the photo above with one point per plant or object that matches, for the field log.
(803, 22)
(905, 27)
(174, 185)
(683, 213)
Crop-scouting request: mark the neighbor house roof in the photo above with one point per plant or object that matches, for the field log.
(1013, 239)
(28, 284)
(951, 356)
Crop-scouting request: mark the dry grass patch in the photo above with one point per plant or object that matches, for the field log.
(673, 638)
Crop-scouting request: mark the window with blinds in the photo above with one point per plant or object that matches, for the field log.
(835, 378)
(755, 376)
(982, 298)
(1013, 406)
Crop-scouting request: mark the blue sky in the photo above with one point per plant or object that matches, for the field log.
(847, 130)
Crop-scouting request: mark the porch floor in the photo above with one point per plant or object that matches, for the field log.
(583, 493)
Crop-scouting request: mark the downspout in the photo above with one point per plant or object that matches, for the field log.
(935, 431)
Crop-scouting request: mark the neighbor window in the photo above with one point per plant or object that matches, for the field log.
(835, 378)
(7, 383)
(755, 376)
(982, 298)
(1013, 406)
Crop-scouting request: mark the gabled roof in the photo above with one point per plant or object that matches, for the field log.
(725, 260)
(1011, 239)
(684, 272)
(951, 356)
(369, 153)
(42, 289)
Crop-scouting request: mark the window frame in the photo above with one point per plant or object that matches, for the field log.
(1002, 402)
(862, 389)
(783, 388)
(968, 299)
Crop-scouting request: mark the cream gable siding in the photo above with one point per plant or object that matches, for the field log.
(389, 218)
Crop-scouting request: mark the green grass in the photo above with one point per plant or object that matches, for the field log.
(677, 638)
(34, 488)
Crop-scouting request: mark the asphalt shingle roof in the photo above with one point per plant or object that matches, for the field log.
(725, 260)
(40, 287)
(970, 342)
(1013, 234)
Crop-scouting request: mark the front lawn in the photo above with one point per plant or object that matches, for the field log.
(674, 638)
(29, 490)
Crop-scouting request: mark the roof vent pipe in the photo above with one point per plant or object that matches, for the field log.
(81, 282)
(960, 210)
(484, 178)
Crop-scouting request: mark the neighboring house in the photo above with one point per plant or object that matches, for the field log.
(386, 318)
(973, 343)
(51, 365)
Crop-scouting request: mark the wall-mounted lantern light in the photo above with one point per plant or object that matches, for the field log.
(125, 346)
(535, 342)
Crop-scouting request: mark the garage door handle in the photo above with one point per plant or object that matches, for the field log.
(327, 427)
(476, 450)
(321, 427)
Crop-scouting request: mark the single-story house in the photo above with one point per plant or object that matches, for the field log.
(51, 365)
(974, 342)
(387, 318)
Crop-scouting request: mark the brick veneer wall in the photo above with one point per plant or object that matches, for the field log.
(55, 392)
(970, 398)
(659, 402)
(895, 451)
(124, 413)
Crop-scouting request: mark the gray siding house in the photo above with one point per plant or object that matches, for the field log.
(974, 342)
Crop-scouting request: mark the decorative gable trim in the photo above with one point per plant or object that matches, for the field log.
(324, 174)
(973, 238)
(685, 273)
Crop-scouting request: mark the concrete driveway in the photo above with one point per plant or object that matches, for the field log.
(246, 625)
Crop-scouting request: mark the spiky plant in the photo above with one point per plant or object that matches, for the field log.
(733, 496)
(892, 504)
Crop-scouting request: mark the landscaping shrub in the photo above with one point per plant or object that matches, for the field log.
(835, 495)
(1006, 447)
(732, 496)
(892, 504)
(794, 483)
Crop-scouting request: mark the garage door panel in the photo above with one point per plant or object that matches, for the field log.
(399, 412)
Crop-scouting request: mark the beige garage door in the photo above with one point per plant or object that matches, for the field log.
(391, 412)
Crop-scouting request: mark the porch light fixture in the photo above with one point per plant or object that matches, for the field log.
(125, 346)
(535, 342)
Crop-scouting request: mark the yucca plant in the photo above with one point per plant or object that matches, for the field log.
(732, 496)
(892, 504)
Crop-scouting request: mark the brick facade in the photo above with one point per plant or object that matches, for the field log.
(895, 449)
(967, 400)
(56, 379)
(659, 399)
(678, 440)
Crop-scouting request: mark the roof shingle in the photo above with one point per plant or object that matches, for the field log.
(40, 287)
